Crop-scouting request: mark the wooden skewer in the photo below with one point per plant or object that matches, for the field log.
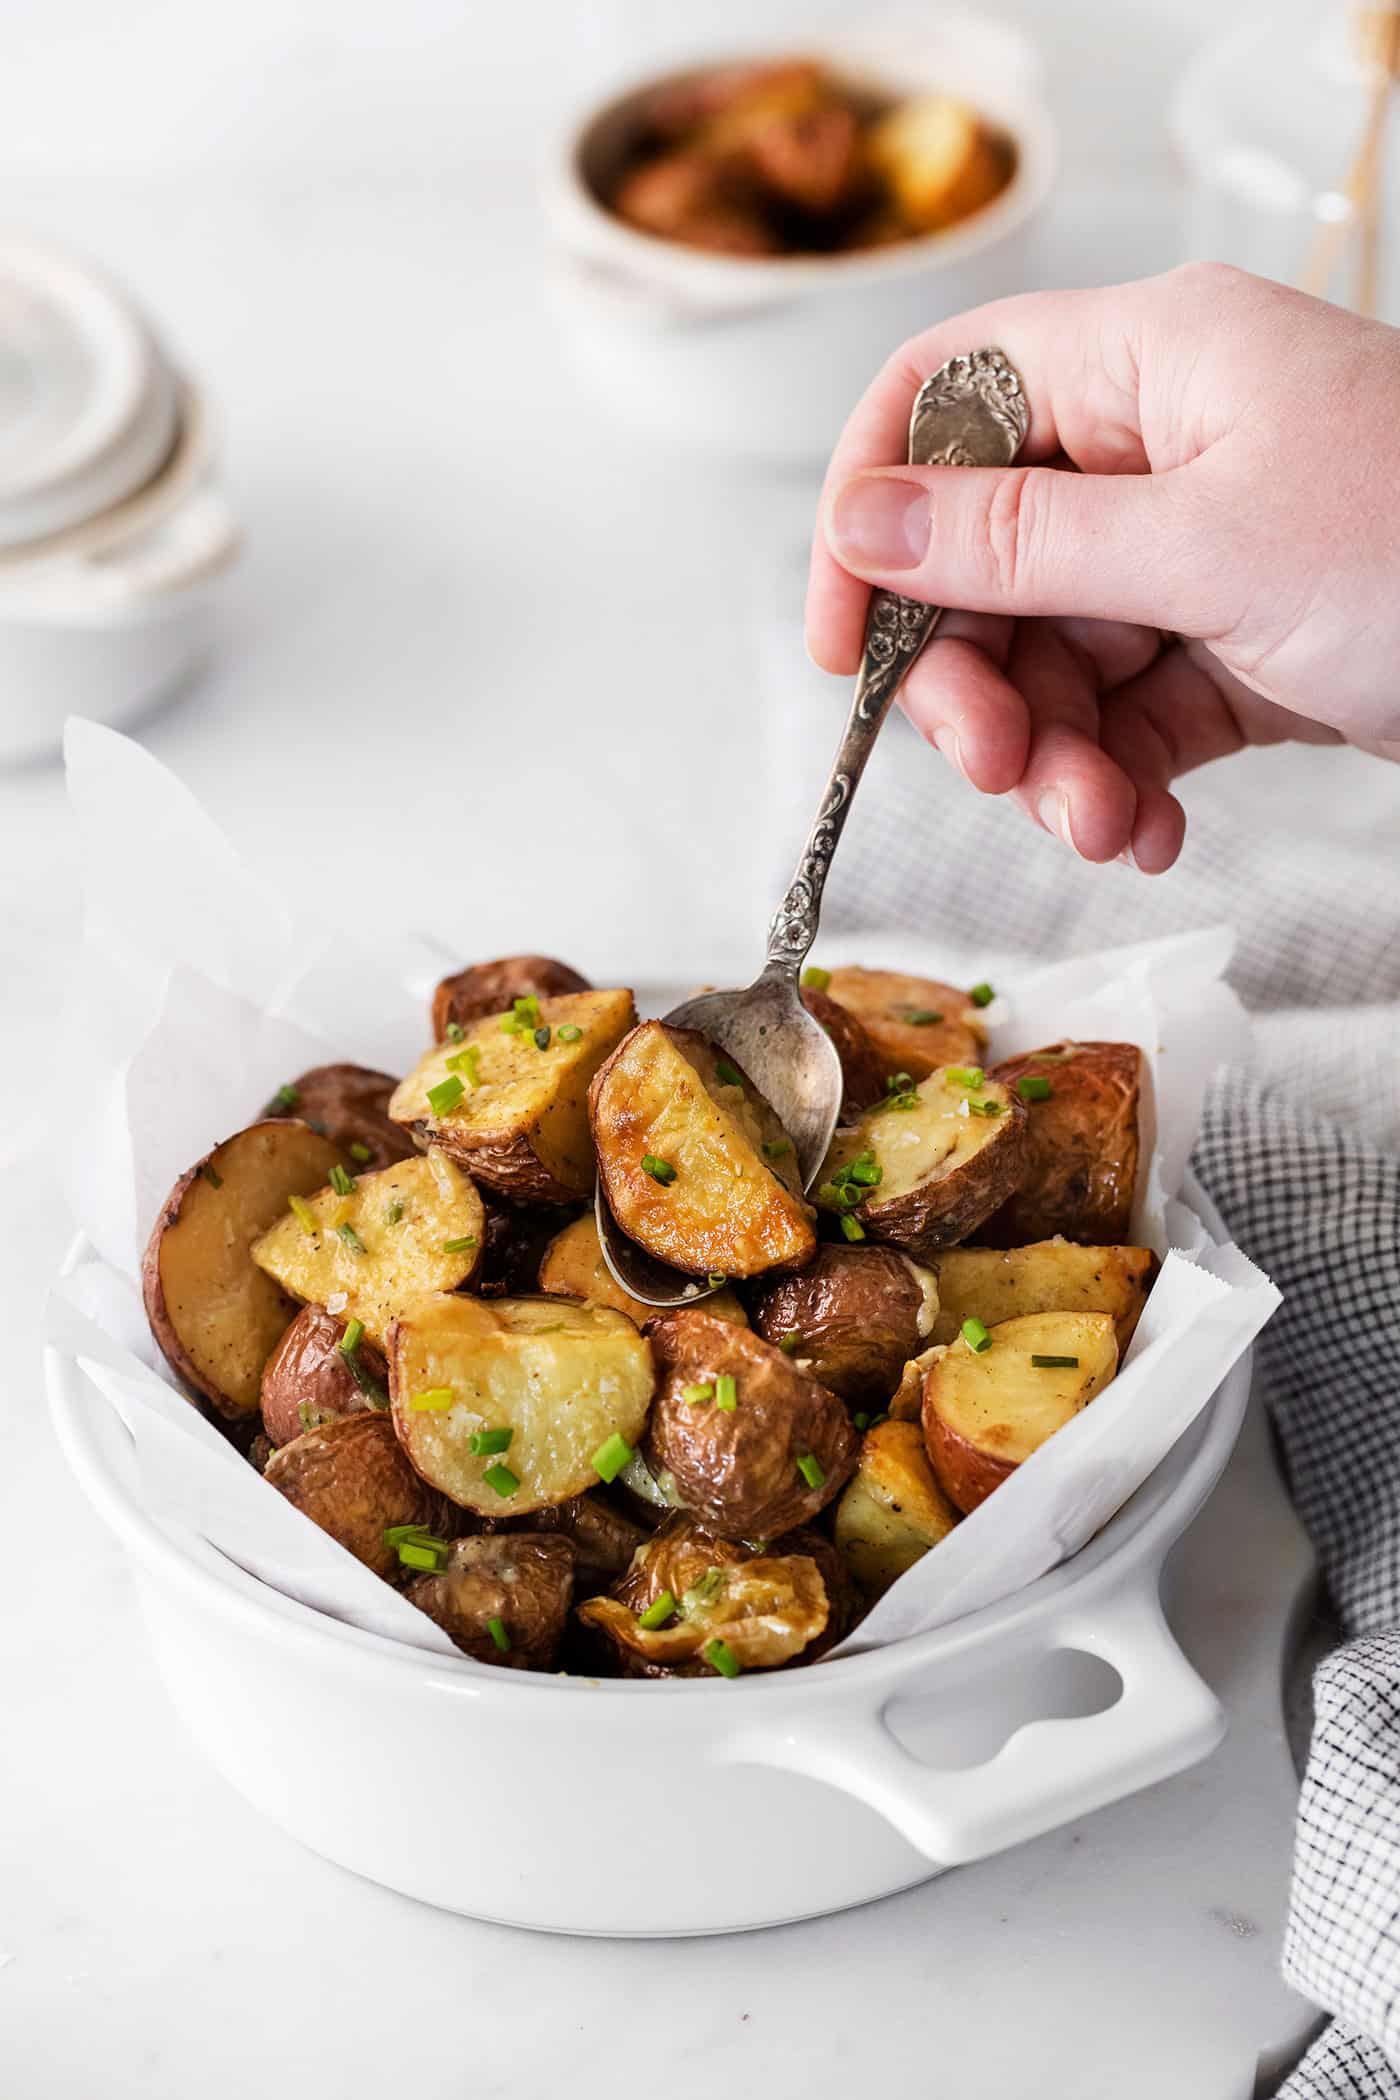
(1362, 185)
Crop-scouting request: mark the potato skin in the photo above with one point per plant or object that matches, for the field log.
(1014, 1408)
(737, 1473)
(881, 1000)
(573, 1267)
(350, 1105)
(351, 1477)
(603, 1541)
(525, 1579)
(513, 1245)
(856, 1312)
(863, 1069)
(307, 1371)
(491, 987)
(947, 1207)
(1081, 1147)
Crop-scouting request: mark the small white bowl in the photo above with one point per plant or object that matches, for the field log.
(765, 357)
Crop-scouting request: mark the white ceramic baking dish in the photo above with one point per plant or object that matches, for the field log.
(623, 1808)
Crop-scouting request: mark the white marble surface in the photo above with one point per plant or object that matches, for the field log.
(484, 663)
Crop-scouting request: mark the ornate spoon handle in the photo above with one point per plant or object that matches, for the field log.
(972, 413)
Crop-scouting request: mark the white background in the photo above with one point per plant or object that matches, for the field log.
(486, 660)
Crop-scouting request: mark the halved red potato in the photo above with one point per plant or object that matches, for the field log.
(493, 987)
(915, 1023)
(937, 1160)
(1081, 1144)
(547, 1385)
(893, 1511)
(509, 1103)
(351, 1478)
(853, 1318)
(504, 1600)
(408, 1229)
(863, 1069)
(1002, 1283)
(986, 1412)
(573, 1267)
(215, 1315)
(310, 1379)
(350, 1105)
(696, 1167)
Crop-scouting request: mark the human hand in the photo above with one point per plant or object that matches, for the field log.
(1238, 448)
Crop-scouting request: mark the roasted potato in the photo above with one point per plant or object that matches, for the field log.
(893, 1510)
(930, 1164)
(985, 1412)
(853, 1318)
(215, 1315)
(602, 1538)
(493, 987)
(310, 1380)
(939, 161)
(509, 1103)
(408, 1229)
(517, 1235)
(695, 1165)
(915, 1023)
(349, 1104)
(767, 1605)
(260, 1451)
(351, 1477)
(573, 1267)
(863, 1069)
(1082, 1145)
(563, 1384)
(761, 1466)
(906, 1403)
(996, 1283)
(504, 1599)
(691, 197)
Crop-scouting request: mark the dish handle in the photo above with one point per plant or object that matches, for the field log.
(1049, 1772)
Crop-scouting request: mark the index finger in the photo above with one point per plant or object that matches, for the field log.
(1077, 355)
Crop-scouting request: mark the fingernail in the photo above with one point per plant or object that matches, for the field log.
(1053, 811)
(1130, 860)
(947, 741)
(878, 524)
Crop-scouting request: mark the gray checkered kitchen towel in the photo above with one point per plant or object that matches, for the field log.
(1300, 850)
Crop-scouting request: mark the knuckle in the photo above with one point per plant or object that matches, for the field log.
(1011, 531)
(1206, 281)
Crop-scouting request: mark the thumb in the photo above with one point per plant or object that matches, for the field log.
(1031, 540)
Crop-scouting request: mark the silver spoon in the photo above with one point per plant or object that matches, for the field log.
(972, 413)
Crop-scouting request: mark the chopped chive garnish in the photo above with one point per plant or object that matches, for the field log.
(658, 1612)
(212, 1176)
(311, 1417)
(351, 1238)
(898, 1082)
(970, 1076)
(1055, 1363)
(659, 1169)
(876, 1420)
(852, 1227)
(486, 1443)
(720, 1656)
(774, 1148)
(392, 1213)
(446, 1094)
(526, 1013)
(497, 1629)
(568, 1032)
(983, 1108)
(812, 1470)
(976, 1336)
(395, 1534)
(1034, 1087)
(611, 1456)
(981, 995)
(459, 1246)
(716, 1281)
(921, 1016)
(361, 1154)
(908, 1099)
(790, 1343)
(501, 1479)
(726, 1074)
(286, 1097)
(468, 1061)
(427, 1553)
(315, 1123)
(341, 1182)
(303, 1213)
(369, 1386)
(350, 1341)
(541, 1038)
(703, 1590)
(726, 1393)
(862, 1420)
(456, 1033)
(695, 1394)
(815, 980)
(865, 1171)
(435, 1401)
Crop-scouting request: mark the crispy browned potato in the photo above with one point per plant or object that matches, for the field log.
(695, 1165)
(492, 987)
(565, 1380)
(573, 1267)
(1001, 1283)
(853, 1318)
(517, 1235)
(350, 1105)
(519, 1583)
(692, 197)
(893, 1510)
(915, 1023)
(906, 1403)
(215, 1316)
(810, 159)
(603, 1539)
(1082, 1151)
(762, 1467)
(939, 161)
(769, 1605)
(986, 1413)
(510, 1104)
(408, 1229)
(350, 1477)
(863, 1069)
(934, 1161)
(309, 1380)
